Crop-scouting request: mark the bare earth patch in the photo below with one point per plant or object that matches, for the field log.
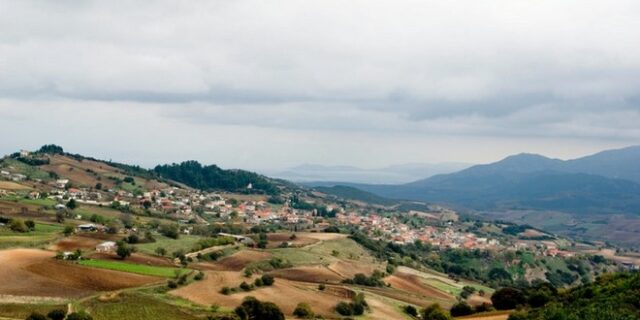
(412, 284)
(316, 274)
(236, 261)
(29, 272)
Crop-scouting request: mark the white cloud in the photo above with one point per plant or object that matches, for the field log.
(393, 74)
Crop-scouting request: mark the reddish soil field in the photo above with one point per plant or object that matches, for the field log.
(286, 294)
(348, 269)
(276, 239)
(236, 261)
(29, 272)
(75, 242)
(138, 258)
(316, 274)
(412, 284)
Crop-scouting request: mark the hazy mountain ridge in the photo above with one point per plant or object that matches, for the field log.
(394, 174)
(604, 182)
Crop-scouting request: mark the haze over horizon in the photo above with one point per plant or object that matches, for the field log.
(250, 85)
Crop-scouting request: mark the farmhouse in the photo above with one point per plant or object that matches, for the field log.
(87, 227)
(106, 246)
(61, 183)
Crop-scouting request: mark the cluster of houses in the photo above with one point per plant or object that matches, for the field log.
(390, 228)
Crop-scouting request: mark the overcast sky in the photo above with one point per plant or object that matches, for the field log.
(267, 85)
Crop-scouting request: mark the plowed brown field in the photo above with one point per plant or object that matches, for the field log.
(236, 261)
(29, 272)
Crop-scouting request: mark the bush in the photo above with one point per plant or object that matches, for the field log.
(258, 282)
(170, 230)
(435, 312)
(226, 291)
(30, 225)
(411, 310)
(71, 205)
(161, 251)
(79, 316)
(252, 308)
(461, 309)
(303, 310)
(18, 225)
(507, 298)
(172, 284)
(36, 316)
(123, 251)
(268, 279)
(321, 287)
(344, 309)
(199, 276)
(57, 314)
(245, 286)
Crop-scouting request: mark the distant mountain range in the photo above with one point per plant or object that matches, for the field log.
(396, 174)
(606, 182)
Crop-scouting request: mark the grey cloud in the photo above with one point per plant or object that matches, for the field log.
(411, 68)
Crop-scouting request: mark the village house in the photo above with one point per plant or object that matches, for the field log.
(18, 177)
(107, 246)
(62, 183)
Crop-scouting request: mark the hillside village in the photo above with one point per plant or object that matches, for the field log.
(115, 217)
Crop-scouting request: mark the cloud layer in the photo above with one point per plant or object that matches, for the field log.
(325, 75)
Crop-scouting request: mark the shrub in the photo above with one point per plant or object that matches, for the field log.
(252, 308)
(18, 225)
(258, 282)
(507, 298)
(123, 251)
(226, 291)
(344, 309)
(30, 225)
(321, 287)
(303, 310)
(461, 309)
(81, 315)
(268, 279)
(245, 286)
(57, 314)
(36, 316)
(161, 251)
(435, 312)
(411, 310)
(199, 276)
(68, 230)
(172, 284)
(170, 230)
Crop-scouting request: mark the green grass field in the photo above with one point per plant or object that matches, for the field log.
(42, 234)
(30, 171)
(322, 253)
(21, 311)
(137, 306)
(184, 242)
(35, 202)
(165, 272)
